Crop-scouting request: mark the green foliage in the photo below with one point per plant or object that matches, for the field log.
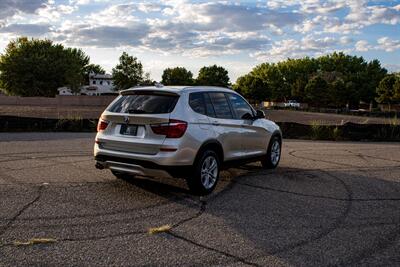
(388, 89)
(213, 75)
(128, 73)
(319, 131)
(316, 91)
(70, 124)
(147, 81)
(348, 80)
(33, 67)
(336, 134)
(252, 87)
(177, 76)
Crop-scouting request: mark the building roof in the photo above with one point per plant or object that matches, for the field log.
(100, 76)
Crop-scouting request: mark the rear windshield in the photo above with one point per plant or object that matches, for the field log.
(144, 104)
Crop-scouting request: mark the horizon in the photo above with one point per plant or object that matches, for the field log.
(193, 34)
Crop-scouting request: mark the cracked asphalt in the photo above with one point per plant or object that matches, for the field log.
(328, 204)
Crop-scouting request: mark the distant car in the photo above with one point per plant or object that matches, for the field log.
(190, 132)
(292, 104)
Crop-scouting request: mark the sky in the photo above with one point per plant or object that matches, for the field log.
(237, 35)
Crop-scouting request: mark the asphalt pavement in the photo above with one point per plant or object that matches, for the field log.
(328, 204)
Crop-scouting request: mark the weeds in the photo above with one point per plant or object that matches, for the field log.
(70, 123)
(318, 130)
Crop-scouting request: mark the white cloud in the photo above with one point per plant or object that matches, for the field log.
(363, 46)
(9, 8)
(291, 48)
(388, 44)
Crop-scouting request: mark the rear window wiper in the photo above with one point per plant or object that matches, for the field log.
(136, 111)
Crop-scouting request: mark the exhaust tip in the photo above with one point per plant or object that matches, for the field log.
(99, 166)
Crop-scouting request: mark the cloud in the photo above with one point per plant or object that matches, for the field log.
(363, 46)
(388, 44)
(229, 17)
(384, 43)
(26, 29)
(291, 48)
(105, 36)
(9, 8)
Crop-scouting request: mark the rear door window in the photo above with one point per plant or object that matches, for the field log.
(221, 105)
(145, 103)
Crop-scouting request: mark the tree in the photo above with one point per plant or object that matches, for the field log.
(128, 73)
(177, 76)
(34, 67)
(252, 87)
(316, 91)
(147, 81)
(213, 75)
(388, 90)
(349, 79)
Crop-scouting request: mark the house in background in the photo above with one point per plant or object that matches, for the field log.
(99, 84)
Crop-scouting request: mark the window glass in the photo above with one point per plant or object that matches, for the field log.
(144, 104)
(221, 106)
(196, 102)
(239, 105)
(209, 107)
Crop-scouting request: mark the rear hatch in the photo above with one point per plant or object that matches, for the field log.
(130, 120)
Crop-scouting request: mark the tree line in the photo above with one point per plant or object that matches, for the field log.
(333, 80)
(129, 73)
(34, 67)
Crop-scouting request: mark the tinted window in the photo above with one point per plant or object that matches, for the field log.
(239, 105)
(144, 104)
(196, 102)
(209, 107)
(221, 106)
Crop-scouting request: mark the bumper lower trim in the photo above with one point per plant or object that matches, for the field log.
(108, 161)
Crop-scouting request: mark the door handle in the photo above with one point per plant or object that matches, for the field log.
(215, 123)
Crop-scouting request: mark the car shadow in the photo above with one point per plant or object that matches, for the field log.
(296, 216)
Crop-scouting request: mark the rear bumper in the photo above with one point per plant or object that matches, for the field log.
(140, 167)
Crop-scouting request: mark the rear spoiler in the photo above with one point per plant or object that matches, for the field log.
(147, 92)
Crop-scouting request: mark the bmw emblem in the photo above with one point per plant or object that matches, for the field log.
(126, 119)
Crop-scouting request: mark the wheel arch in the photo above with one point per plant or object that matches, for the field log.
(213, 145)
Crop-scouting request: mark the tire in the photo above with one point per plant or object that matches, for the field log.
(122, 175)
(205, 173)
(271, 160)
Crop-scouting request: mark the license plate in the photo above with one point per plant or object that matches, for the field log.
(127, 129)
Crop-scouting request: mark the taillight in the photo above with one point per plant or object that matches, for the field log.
(102, 125)
(172, 129)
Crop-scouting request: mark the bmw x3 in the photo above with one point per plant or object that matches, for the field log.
(191, 132)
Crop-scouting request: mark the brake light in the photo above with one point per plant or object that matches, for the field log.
(172, 129)
(102, 125)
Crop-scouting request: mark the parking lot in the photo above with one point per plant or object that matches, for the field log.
(329, 203)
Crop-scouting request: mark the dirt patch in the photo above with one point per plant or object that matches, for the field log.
(324, 118)
(94, 112)
(85, 112)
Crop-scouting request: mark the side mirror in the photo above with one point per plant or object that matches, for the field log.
(260, 114)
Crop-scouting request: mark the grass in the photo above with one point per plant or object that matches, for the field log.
(161, 229)
(319, 131)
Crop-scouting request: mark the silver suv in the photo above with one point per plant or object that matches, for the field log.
(183, 131)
